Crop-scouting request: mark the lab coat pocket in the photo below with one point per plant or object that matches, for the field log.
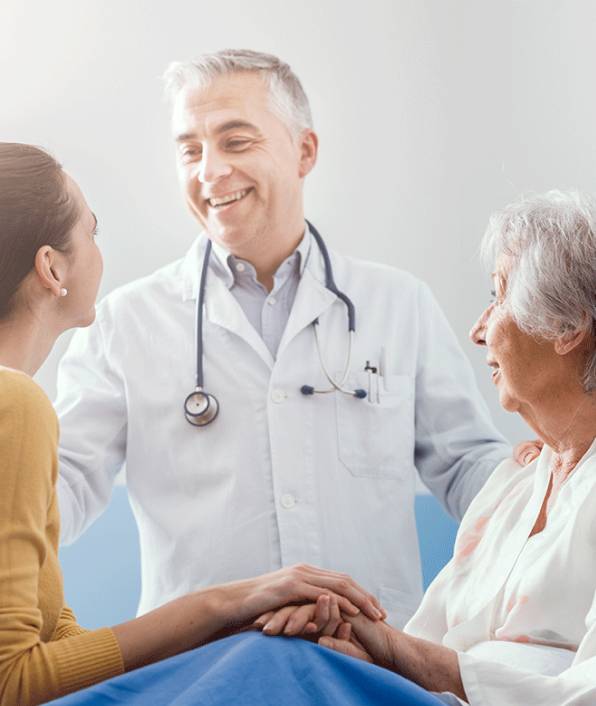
(375, 435)
(400, 606)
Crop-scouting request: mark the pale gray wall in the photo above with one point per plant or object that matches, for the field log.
(430, 113)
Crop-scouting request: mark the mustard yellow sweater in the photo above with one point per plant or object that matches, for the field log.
(43, 652)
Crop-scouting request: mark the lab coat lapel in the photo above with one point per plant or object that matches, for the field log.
(312, 299)
(223, 310)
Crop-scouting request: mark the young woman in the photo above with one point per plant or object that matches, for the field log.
(50, 269)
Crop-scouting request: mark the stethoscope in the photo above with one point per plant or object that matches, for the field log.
(201, 407)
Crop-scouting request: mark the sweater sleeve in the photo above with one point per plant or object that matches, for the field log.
(67, 625)
(33, 670)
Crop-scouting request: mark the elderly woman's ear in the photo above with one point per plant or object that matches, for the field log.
(572, 339)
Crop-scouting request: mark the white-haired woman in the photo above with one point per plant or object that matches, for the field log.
(511, 620)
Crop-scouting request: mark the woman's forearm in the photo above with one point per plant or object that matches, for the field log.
(175, 627)
(432, 666)
(204, 615)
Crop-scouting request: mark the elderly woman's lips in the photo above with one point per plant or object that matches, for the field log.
(495, 366)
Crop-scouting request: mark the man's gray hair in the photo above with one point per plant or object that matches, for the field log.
(551, 287)
(288, 98)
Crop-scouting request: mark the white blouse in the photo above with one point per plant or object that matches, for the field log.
(521, 610)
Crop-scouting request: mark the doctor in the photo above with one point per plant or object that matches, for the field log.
(284, 472)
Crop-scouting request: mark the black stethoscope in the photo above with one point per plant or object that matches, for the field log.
(201, 407)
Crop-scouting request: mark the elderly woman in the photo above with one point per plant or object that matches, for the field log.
(511, 620)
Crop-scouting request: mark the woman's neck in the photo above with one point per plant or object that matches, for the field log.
(25, 342)
(567, 425)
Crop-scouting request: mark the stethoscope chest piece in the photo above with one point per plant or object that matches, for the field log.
(200, 408)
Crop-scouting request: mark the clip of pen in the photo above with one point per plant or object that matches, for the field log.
(373, 394)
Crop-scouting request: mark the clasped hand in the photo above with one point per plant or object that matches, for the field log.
(353, 634)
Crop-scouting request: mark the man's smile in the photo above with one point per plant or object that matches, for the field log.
(219, 202)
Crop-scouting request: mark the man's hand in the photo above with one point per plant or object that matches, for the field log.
(526, 451)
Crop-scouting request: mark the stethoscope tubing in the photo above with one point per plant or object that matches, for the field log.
(206, 405)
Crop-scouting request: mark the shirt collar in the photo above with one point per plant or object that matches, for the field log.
(224, 263)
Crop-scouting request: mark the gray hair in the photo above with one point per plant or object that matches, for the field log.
(288, 98)
(551, 287)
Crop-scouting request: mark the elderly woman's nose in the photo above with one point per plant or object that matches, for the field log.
(478, 331)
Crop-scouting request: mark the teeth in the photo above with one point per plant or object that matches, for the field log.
(236, 196)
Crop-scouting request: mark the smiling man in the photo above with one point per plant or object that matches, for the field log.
(282, 474)
(241, 167)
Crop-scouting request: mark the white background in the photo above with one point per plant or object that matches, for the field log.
(431, 113)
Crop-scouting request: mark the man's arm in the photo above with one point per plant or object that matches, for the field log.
(91, 406)
(457, 445)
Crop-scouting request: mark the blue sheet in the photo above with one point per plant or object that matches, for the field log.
(252, 669)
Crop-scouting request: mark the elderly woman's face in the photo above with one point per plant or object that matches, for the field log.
(522, 365)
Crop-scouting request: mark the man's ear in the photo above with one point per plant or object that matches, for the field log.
(309, 147)
(49, 268)
(569, 341)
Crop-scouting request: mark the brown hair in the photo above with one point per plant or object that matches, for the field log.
(35, 210)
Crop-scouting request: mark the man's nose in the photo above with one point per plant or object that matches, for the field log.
(213, 166)
(478, 331)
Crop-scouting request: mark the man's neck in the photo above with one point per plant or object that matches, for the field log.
(267, 259)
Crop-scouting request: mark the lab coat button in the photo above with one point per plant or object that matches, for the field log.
(278, 396)
(288, 501)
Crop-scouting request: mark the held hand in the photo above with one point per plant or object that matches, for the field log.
(526, 451)
(345, 642)
(320, 618)
(433, 666)
(373, 641)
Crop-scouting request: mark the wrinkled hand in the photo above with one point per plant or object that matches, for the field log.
(300, 584)
(526, 451)
(321, 618)
(372, 641)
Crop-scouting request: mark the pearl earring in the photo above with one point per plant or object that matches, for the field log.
(63, 292)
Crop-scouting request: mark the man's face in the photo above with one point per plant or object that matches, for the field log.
(239, 165)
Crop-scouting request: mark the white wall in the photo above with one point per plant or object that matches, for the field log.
(431, 113)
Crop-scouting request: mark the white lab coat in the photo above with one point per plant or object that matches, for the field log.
(279, 477)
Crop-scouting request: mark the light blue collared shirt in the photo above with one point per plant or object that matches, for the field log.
(268, 312)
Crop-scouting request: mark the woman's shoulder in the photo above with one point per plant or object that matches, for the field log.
(508, 478)
(21, 395)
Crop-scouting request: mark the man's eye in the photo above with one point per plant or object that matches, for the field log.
(189, 153)
(237, 144)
